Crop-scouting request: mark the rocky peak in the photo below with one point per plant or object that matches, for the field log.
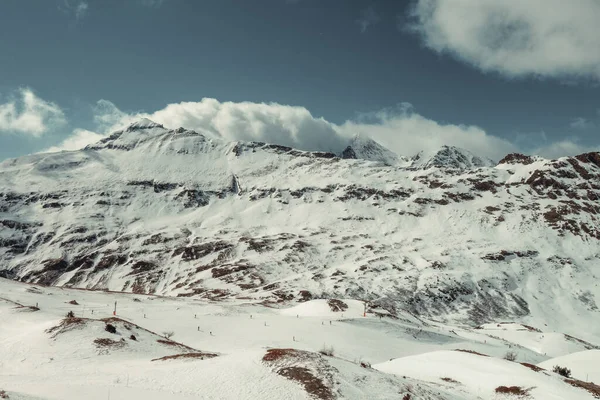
(142, 124)
(450, 157)
(365, 148)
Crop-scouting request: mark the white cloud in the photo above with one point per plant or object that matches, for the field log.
(580, 123)
(77, 8)
(551, 38)
(368, 18)
(78, 140)
(406, 132)
(28, 114)
(400, 129)
(562, 148)
(273, 123)
(152, 3)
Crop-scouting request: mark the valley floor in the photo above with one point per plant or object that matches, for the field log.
(224, 351)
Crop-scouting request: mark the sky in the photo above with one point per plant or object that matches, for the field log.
(490, 76)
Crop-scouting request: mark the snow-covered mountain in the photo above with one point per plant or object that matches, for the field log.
(364, 148)
(448, 235)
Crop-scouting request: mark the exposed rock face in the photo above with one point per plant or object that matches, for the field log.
(448, 235)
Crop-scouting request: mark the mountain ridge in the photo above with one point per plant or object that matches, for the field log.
(180, 214)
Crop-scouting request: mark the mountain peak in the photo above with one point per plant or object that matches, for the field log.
(143, 123)
(365, 148)
(450, 157)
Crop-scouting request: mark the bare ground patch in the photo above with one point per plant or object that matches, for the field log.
(105, 343)
(307, 369)
(513, 390)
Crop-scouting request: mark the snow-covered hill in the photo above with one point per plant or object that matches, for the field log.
(448, 236)
(57, 344)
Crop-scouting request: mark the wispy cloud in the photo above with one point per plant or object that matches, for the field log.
(580, 123)
(368, 18)
(28, 114)
(78, 9)
(78, 140)
(152, 3)
(516, 38)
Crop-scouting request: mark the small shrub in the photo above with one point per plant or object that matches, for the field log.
(168, 334)
(74, 302)
(510, 356)
(110, 328)
(327, 351)
(132, 337)
(563, 371)
(407, 396)
(3, 395)
(70, 314)
(365, 364)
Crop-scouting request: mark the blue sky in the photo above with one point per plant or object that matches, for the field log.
(487, 75)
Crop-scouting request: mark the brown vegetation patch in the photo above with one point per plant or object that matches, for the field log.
(277, 354)
(472, 352)
(589, 386)
(313, 385)
(516, 390)
(109, 343)
(199, 355)
(67, 324)
(533, 367)
(586, 345)
(308, 369)
(531, 328)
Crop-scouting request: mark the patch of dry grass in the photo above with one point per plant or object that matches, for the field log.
(109, 343)
(590, 387)
(65, 325)
(306, 368)
(533, 367)
(277, 354)
(471, 352)
(313, 385)
(200, 356)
